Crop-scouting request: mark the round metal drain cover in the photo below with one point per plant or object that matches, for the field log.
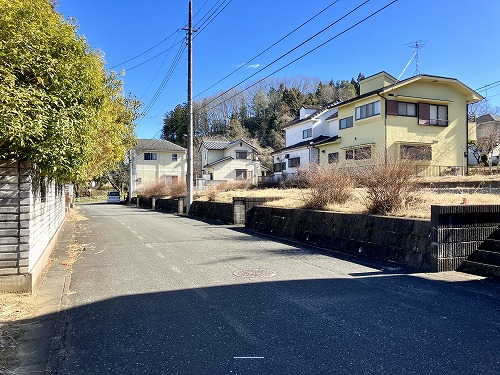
(254, 273)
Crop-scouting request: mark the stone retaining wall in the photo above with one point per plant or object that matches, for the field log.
(222, 212)
(401, 240)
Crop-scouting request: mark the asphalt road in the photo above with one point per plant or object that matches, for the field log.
(156, 293)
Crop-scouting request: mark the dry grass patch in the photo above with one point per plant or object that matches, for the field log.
(356, 204)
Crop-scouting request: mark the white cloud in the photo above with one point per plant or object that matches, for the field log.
(254, 66)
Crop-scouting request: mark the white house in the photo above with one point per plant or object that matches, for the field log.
(229, 161)
(313, 127)
(156, 160)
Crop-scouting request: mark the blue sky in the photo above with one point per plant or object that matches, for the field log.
(462, 42)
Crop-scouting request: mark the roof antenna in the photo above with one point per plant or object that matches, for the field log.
(416, 45)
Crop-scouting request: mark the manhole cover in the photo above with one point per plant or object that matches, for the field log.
(254, 273)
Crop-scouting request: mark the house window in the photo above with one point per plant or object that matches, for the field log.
(333, 157)
(407, 109)
(415, 152)
(241, 174)
(362, 153)
(438, 115)
(307, 133)
(349, 154)
(174, 157)
(294, 162)
(150, 156)
(345, 123)
(280, 167)
(368, 110)
(241, 154)
(430, 114)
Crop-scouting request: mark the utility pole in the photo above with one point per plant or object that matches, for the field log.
(190, 105)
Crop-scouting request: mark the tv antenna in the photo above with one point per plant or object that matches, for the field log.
(416, 45)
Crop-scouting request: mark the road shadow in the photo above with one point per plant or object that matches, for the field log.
(372, 324)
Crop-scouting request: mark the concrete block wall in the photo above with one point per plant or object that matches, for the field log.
(175, 205)
(405, 241)
(242, 205)
(458, 231)
(222, 212)
(28, 225)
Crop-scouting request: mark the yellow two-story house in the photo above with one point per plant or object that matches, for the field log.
(423, 119)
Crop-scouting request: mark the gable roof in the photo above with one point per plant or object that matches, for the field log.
(157, 145)
(312, 116)
(224, 145)
(219, 161)
(303, 144)
(487, 118)
(474, 96)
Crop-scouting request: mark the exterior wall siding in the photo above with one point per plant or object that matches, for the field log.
(448, 142)
(28, 225)
(148, 171)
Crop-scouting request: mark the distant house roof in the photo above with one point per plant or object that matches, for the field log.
(487, 118)
(311, 142)
(328, 140)
(335, 115)
(157, 145)
(223, 145)
(219, 161)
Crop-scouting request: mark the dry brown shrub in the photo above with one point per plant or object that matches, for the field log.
(178, 189)
(156, 189)
(234, 185)
(327, 186)
(390, 186)
(211, 193)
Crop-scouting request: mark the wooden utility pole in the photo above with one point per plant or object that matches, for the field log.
(190, 105)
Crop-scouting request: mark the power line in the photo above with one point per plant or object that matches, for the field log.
(268, 48)
(156, 74)
(203, 20)
(489, 86)
(146, 51)
(211, 18)
(300, 57)
(164, 82)
(295, 48)
(155, 56)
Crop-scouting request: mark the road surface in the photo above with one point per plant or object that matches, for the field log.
(157, 293)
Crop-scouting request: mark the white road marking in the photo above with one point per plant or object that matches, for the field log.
(248, 357)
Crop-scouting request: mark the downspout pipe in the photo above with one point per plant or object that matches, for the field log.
(385, 127)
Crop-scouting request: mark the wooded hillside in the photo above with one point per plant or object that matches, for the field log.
(256, 114)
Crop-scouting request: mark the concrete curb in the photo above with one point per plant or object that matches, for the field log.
(43, 331)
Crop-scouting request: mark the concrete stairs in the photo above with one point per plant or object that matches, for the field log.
(485, 261)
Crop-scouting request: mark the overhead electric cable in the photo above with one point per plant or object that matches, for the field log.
(164, 82)
(300, 57)
(268, 48)
(210, 20)
(146, 51)
(486, 87)
(156, 74)
(295, 48)
(203, 20)
(155, 56)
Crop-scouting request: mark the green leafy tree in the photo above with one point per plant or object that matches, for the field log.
(59, 108)
(175, 125)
